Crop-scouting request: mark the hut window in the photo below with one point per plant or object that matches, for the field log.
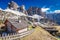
(2, 27)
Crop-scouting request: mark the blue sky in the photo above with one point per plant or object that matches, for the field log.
(52, 4)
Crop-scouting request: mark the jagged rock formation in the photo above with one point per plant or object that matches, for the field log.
(22, 9)
(35, 10)
(12, 5)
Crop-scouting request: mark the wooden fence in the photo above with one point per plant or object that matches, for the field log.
(16, 36)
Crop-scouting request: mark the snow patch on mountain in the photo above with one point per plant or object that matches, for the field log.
(15, 12)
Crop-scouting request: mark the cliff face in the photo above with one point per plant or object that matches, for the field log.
(54, 16)
(35, 10)
(39, 34)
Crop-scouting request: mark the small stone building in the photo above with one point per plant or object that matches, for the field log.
(15, 25)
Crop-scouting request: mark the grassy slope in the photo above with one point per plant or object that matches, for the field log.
(39, 34)
(58, 28)
(58, 38)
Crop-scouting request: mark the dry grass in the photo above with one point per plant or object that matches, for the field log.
(39, 34)
(58, 28)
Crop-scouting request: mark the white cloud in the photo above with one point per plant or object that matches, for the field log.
(1, 9)
(57, 11)
(45, 9)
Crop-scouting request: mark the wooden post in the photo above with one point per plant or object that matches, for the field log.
(0, 35)
(8, 37)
